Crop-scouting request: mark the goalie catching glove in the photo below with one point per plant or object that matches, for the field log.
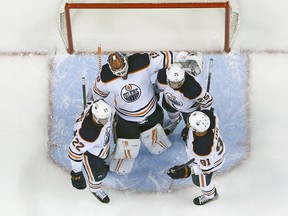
(191, 62)
(78, 180)
(178, 172)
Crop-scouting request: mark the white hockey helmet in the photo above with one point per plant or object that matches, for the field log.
(101, 112)
(175, 76)
(199, 121)
(118, 63)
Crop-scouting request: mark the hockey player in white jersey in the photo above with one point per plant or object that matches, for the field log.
(90, 147)
(205, 145)
(138, 115)
(182, 93)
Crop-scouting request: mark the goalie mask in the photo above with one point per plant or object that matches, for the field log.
(118, 64)
(175, 76)
(199, 121)
(101, 112)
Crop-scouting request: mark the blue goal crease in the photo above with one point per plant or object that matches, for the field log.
(228, 87)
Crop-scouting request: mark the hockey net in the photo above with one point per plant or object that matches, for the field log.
(101, 18)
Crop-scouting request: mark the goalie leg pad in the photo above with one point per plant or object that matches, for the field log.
(155, 139)
(121, 166)
(127, 148)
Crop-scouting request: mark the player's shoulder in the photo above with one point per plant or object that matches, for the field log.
(161, 76)
(106, 74)
(89, 131)
(212, 116)
(191, 87)
(191, 79)
(202, 146)
(210, 113)
(138, 61)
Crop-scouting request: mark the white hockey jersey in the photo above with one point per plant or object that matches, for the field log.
(188, 97)
(134, 98)
(88, 137)
(208, 150)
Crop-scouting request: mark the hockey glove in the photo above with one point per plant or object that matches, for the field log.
(156, 91)
(178, 172)
(78, 180)
(181, 56)
(157, 95)
(184, 133)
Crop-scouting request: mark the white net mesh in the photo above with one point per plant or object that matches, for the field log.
(63, 29)
(126, 26)
(234, 21)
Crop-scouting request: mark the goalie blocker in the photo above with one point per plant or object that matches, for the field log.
(126, 150)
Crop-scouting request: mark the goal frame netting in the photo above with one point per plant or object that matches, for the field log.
(231, 20)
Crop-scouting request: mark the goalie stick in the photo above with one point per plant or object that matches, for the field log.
(99, 52)
(193, 159)
(84, 96)
(84, 91)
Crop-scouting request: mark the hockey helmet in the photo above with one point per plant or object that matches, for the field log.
(118, 63)
(199, 121)
(101, 112)
(175, 76)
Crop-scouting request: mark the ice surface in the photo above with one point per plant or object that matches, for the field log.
(32, 185)
(228, 87)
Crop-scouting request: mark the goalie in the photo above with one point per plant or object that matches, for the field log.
(138, 115)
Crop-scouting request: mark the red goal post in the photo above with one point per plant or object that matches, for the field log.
(231, 20)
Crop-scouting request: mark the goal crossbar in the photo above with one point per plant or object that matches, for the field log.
(172, 5)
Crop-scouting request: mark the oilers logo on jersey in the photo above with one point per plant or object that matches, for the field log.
(130, 93)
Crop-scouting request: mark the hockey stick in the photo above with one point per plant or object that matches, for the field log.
(209, 74)
(178, 168)
(208, 79)
(84, 79)
(84, 92)
(99, 52)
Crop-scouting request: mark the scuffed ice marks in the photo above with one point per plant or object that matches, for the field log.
(228, 87)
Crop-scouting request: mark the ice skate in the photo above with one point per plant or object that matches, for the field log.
(101, 196)
(202, 200)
